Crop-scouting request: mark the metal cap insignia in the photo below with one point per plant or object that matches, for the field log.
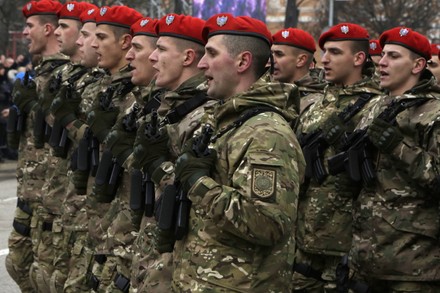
(90, 11)
(103, 11)
(169, 20)
(403, 32)
(345, 29)
(144, 22)
(221, 20)
(29, 6)
(70, 7)
(285, 34)
(373, 46)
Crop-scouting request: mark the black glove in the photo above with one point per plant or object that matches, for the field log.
(150, 151)
(101, 121)
(384, 136)
(24, 95)
(333, 128)
(189, 168)
(65, 105)
(120, 142)
(80, 179)
(163, 240)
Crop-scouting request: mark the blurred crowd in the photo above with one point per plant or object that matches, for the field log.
(10, 70)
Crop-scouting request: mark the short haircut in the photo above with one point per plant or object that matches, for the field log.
(183, 44)
(118, 31)
(310, 56)
(259, 49)
(360, 46)
(48, 18)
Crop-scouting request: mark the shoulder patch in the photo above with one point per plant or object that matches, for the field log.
(263, 182)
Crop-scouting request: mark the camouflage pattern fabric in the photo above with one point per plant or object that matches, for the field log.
(311, 88)
(150, 270)
(325, 210)
(396, 220)
(64, 198)
(242, 220)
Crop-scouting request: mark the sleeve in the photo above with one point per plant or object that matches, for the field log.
(422, 161)
(259, 201)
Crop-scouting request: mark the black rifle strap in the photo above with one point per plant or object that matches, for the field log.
(396, 107)
(246, 115)
(177, 114)
(352, 109)
(77, 75)
(153, 102)
(53, 64)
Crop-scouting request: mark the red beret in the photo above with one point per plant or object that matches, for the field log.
(122, 16)
(181, 26)
(73, 10)
(43, 7)
(145, 26)
(89, 14)
(435, 49)
(407, 38)
(296, 38)
(227, 24)
(344, 32)
(375, 48)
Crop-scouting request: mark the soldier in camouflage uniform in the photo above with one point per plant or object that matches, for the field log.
(293, 51)
(325, 202)
(33, 159)
(112, 42)
(180, 38)
(396, 217)
(244, 188)
(71, 88)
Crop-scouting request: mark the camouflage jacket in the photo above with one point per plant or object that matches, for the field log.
(89, 86)
(396, 229)
(324, 211)
(311, 88)
(242, 219)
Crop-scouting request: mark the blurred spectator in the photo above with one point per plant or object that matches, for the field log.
(5, 103)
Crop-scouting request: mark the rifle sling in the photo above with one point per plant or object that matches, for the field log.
(187, 107)
(243, 118)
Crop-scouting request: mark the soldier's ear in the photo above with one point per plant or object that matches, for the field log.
(360, 58)
(419, 65)
(126, 41)
(244, 61)
(189, 57)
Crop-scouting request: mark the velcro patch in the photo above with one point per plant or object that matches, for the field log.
(263, 182)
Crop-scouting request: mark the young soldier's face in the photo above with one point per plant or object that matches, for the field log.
(67, 33)
(167, 60)
(142, 69)
(88, 55)
(108, 48)
(396, 68)
(220, 68)
(285, 60)
(34, 33)
(338, 62)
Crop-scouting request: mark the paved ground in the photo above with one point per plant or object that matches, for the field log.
(8, 200)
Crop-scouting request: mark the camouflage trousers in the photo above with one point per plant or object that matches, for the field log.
(326, 264)
(42, 267)
(21, 256)
(150, 270)
(79, 262)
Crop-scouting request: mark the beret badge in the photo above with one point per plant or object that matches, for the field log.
(221, 20)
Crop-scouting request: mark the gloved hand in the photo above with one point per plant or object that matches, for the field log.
(101, 121)
(80, 179)
(48, 94)
(120, 142)
(24, 95)
(189, 168)
(384, 136)
(65, 105)
(13, 139)
(150, 151)
(333, 128)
